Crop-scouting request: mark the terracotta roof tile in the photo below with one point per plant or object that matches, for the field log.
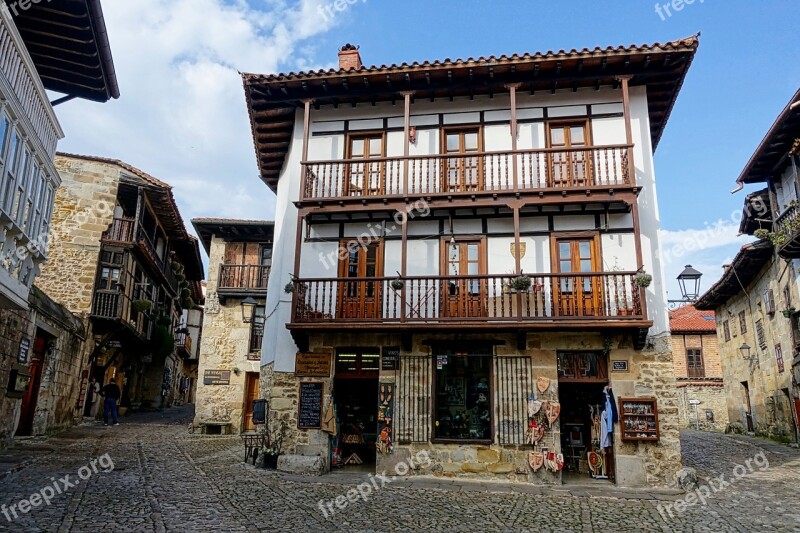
(688, 318)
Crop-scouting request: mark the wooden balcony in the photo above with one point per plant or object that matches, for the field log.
(576, 173)
(242, 280)
(553, 301)
(786, 230)
(113, 305)
(125, 230)
(183, 345)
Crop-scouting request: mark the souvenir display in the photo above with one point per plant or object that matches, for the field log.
(639, 419)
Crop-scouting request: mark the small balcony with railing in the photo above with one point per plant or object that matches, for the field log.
(786, 233)
(536, 301)
(578, 173)
(183, 344)
(242, 280)
(125, 230)
(117, 306)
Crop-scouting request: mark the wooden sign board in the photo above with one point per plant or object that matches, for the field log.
(619, 366)
(390, 358)
(312, 365)
(217, 377)
(309, 405)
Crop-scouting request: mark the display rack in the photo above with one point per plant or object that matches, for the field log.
(638, 419)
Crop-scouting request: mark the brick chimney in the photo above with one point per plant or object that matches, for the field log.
(349, 58)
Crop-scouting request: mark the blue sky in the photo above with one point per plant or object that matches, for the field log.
(182, 116)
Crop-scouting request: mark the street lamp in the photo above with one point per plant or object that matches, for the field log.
(744, 349)
(248, 305)
(689, 280)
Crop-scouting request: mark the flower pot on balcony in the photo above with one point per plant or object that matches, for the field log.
(398, 284)
(140, 306)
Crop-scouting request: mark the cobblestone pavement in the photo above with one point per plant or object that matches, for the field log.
(165, 479)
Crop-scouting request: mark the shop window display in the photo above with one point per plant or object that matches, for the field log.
(463, 397)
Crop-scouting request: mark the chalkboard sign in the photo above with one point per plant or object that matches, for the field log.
(259, 412)
(309, 409)
(390, 358)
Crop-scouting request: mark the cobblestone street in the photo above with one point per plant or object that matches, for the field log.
(165, 479)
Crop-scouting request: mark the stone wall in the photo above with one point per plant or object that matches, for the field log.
(650, 374)
(57, 403)
(224, 345)
(711, 394)
(83, 209)
(767, 382)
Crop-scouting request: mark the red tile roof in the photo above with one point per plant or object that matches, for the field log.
(689, 319)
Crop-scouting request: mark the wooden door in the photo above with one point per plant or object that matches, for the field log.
(465, 296)
(250, 395)
(30, 400)
(569, 167)
(367, 178)
(360, 298)
(575, 294)
(464, 173)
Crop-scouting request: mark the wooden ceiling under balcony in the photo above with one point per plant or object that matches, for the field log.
(273, 100)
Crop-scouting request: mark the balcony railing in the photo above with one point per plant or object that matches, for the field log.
(787, 233)
(243, 278)
(121, 230)
(599, 296)
(541, 169)
(183, 344)
(117, 306)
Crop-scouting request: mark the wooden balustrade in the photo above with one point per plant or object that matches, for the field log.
(114, 305)
(596, 166)
(243, 277)
(121, 230)
(485, 298)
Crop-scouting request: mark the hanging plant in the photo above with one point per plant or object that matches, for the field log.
(188, 303)
(789, 312)
(185, 293)
(288, 288)
(398, 284)
(141, 306)
(643, 279)
(761, 233)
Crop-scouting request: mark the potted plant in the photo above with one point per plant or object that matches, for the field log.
(140, 306)
(288, 288)
(274, 448)
(520, 283)
(643, 279)
(789, 312)
(761, 233)
(398, 284)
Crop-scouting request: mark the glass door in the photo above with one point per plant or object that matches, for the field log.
(577, 294)
(569, 167)
(464, 290)
(463, 173)
(365, 179)
(361, 297)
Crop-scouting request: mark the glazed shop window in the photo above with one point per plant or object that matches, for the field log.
(462, 393)
(108, 278)
(358, 361)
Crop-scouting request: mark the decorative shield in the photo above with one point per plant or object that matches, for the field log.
(534, 406)
(559, 462)
(553, 411)
(522, 248)
(542, 383)
(535, 460)
(535, 434)
(595, 462)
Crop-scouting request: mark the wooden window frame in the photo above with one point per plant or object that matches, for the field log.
(726, 330)
(365, 134)
(597, 261)
(589, 138)
(695, 371)
(483, 265)
(479, 155)
(742, 322)
(341, 293)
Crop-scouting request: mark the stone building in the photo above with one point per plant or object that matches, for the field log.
(759, 290)
(698, 369)
(39, 339)
(463, 262)
(239, 262)
(121, 256)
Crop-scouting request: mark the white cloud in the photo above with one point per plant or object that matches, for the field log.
(182, 116)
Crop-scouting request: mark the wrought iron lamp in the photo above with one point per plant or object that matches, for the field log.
(744, 349)
(689, 282)
(248, 306)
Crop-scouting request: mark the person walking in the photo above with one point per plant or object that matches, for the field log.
(94, 410)
(112, 394)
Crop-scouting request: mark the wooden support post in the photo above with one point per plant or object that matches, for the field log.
(512, 89)
(306, 135)
(407, 139)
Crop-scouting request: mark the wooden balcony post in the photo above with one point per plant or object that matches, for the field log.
(512, 89)
(306, 134)
(406, 143)
(626, 110)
